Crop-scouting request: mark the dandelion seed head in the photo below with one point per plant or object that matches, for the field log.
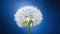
(27, 13)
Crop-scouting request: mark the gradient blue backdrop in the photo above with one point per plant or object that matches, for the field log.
(49, 9)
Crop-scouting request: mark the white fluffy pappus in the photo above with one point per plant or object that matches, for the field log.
(27, 13)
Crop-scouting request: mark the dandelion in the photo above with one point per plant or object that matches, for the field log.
(28, 16)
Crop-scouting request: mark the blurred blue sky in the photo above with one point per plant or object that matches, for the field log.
(49, 8)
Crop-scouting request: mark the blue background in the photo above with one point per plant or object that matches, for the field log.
(49, 8)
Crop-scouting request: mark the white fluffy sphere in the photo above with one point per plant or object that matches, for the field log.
(26, 13)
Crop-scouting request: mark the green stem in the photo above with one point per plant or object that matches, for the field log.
(29, 28)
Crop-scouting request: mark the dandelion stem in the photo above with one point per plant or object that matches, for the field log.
(29, 28)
